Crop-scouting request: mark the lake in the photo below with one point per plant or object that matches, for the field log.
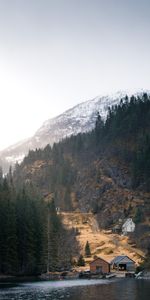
(115, 289)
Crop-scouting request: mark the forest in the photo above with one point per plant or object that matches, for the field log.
(32, 236)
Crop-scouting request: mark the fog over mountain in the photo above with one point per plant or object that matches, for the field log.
(80, 118)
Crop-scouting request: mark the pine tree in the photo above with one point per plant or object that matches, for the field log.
(81, 261)
(87, 249)
(54, 226)
(137, 216)
(99, 125)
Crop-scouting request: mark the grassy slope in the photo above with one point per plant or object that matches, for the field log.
(102, 243)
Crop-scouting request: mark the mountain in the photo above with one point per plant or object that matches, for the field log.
(96, 181)
(105, 172)
(80, 118)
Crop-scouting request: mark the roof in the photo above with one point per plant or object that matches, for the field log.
(100, 259)
(120, 258)
(128, 222)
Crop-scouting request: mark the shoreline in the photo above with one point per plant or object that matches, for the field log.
(66, 276)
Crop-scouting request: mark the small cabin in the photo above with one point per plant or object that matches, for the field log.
(128, 226)
(123, 263)
(99, 266)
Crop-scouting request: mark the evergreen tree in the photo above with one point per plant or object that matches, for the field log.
(87, 249)
(53, 236)
(138, 215)
(99, 126)
(81, 261)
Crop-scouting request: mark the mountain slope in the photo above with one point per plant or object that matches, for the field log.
(80, 118)
(105, 172)
(102, 243)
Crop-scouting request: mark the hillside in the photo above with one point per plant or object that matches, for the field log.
(102, 243)
(78, 119)
(104, 172)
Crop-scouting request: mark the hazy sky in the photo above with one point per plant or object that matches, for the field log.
(57, 53)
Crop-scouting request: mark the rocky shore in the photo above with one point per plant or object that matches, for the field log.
(144, 275)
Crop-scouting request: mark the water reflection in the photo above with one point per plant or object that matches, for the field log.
(129, 289)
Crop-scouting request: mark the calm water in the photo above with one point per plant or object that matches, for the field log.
(124, 289)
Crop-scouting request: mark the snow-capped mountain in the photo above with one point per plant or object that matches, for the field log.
(80, 118)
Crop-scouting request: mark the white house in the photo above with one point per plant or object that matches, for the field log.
(128, 226)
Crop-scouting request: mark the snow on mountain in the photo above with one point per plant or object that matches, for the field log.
(80, 118)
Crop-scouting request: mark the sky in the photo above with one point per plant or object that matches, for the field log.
(57, 53)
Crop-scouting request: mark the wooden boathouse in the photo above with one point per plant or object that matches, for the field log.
(123, 263)
(99, 266)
